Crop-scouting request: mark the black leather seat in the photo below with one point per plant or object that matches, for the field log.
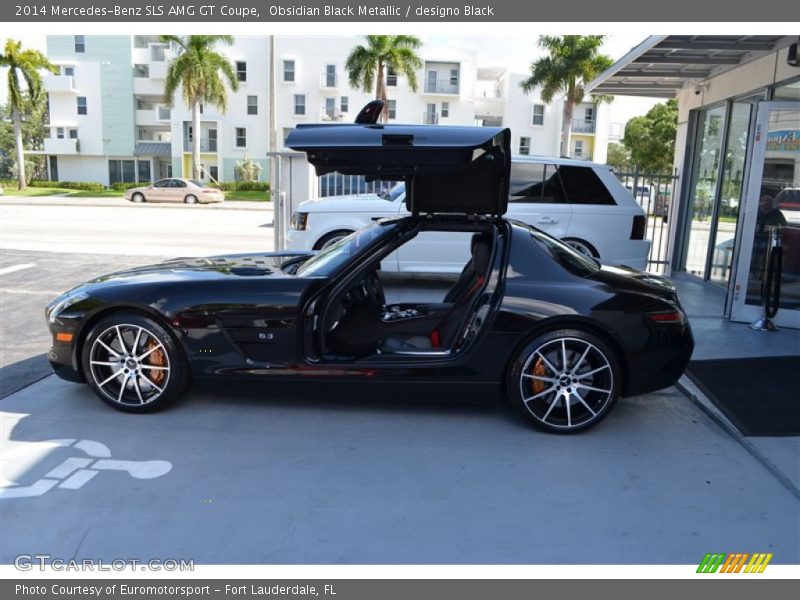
(460, 295)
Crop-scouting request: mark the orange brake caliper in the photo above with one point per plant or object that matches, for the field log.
(157, 359)
(540, 371)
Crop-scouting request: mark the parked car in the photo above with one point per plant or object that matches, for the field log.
(175, 189)
(579, 202)
(564, 335)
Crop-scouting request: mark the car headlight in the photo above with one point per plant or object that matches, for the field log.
(299, 220)
(61, 303)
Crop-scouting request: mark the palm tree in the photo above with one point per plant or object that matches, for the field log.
(366, 65)
(572, 62)
(199, 70)
(27, 63)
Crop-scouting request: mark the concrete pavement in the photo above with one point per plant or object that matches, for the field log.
(121, 202)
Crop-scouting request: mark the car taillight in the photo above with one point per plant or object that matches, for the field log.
(666, 316)
(638, 228)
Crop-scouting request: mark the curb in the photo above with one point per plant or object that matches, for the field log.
(699, 399)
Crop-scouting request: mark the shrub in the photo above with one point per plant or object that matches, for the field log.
(84, 186)
(121, 186)
(242, 186)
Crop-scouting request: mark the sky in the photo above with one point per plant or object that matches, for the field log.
(514, 52)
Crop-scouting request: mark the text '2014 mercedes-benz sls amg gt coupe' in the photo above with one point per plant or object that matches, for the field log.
(563, 335)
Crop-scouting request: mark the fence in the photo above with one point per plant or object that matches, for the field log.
(655, 193)
(336, 184)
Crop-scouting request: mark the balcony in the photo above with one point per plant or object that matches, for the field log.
(61, 146)
(147, 86)
(328, 80)
(489, 107)
(583, 126)
(153, 117)
(430, 118)
(54, 84)
(206, 145)
(441, 86)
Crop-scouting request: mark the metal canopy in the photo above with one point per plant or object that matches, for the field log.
(662, 65)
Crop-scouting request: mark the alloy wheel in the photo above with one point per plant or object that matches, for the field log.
(581, 247)
(129, 364)
(566, 383)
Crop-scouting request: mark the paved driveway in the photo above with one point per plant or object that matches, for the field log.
(328, 478)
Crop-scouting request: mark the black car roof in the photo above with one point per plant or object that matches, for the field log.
(446, 169)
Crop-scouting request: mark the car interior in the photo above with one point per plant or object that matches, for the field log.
(435, 314)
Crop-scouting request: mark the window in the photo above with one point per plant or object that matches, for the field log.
(330, 75)
(212, 139)
(524, 145)
(445, 109)
(391, 77)
(60, 133)
(69, 71)
(538, 114)
(73, 134)
(535, 182)
(454, 77)
(141, 71)
(588, 116)
(53, 168)
(578, 149)
(82, 108)
(288, 71)
(391, 106)
(299, 104)
(252, 105)
(241, 70)
(143, 167)
(241, 137)
(330, 108)
(80, 44)
(213, 172)
(121, 171)
(344, 104)
(583, 186)
(158, 52)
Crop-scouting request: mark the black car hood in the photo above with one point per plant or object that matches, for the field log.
(205, 268)
(463, 170)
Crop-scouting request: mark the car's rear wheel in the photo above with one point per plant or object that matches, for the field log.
(133, 364)
(190, 199)
(583, 247)
(565, 381)
(331, 238)
(137, 197)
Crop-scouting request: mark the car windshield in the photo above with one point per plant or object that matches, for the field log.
(566, 256)
(329, 260)
(392, 194)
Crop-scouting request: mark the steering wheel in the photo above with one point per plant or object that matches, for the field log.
(372, 289)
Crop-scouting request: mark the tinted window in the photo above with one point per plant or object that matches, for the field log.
(327, 261)
(583, 186)
(162, 183)
(535, 182)
(567, 257)
(177, 183)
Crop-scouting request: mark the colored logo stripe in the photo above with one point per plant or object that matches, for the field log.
(734, 562)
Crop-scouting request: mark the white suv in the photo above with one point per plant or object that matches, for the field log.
(582, 203)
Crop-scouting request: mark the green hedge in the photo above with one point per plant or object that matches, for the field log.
(242, 186)
(121, 186)
(84, 186)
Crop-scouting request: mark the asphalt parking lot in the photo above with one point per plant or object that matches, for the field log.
(336, 475)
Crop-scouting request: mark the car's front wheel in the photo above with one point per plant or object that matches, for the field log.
(331, 238)
(565, 381)
(133, 364)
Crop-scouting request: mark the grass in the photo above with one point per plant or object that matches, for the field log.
(248, 196)
(101, 194)
(33, 191)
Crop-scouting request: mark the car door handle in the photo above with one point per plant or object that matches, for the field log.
(546, 220)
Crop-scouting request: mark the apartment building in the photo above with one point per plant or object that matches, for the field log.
(109, 121)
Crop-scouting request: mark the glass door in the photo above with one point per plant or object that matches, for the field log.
(772, 201)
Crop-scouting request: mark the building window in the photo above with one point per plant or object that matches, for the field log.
(143, 167)
(53, 168)
(82, 108)
(69, 71)
(213, 172)
(60, 133)
(141, 71)
(391, 106)
(241, 70)
(288, 71)
(588, 116)
(330, 108)
(241, 137)
(330, 76)
(538, 114)
(121, 171)
(391, 77)
(73, 134)
(344, 104)
(252, 105)
(80, 44)
(578, 148)
(299, 104)
(445, 109)
(454, 77)
(525, 145)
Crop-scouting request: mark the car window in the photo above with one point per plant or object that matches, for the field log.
(583, 186)
(177, 183)
(329, 260)
(162, 183)
(565, 255)
(196, 183)
(535, 182)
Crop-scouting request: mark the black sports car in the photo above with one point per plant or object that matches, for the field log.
(564, 335)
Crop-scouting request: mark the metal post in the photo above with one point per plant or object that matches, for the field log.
(771, 283)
